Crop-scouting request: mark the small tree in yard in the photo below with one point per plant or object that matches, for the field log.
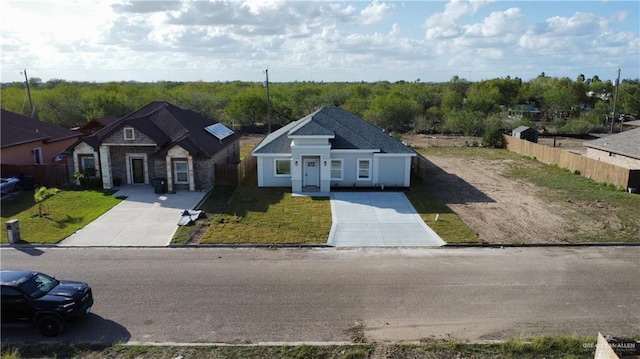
(41, 194)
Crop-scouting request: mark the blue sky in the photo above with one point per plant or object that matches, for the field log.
(228, 40)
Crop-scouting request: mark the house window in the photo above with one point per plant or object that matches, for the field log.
(336, 169)
(181, 171)
(129, 134)
(364, 169)
(87, 165)
(283, 167)
(37, 155)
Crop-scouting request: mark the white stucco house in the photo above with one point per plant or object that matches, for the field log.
(332, 148)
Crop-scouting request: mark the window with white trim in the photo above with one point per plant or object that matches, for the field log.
(364, 169)
(181, 171)
(283, 167)
(37, 155)
(87, 165)
(336, 169)
(129, 133)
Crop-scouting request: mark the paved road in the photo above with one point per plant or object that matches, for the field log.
(292, 295)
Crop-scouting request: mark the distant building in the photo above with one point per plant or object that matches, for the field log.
(621, 149)
(526, 111)
(525, 133)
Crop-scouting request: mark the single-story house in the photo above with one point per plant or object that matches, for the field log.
(332, 148)
(525, 133)
(621, 149)
(28, 141)
(160, 141)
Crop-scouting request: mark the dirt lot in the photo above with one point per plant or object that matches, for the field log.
(499, 209)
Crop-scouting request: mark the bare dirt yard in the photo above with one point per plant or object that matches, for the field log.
(502, 209)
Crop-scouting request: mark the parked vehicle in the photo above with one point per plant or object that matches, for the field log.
(10, 184)
(31, 298)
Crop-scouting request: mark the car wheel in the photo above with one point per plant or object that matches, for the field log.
(50, 325)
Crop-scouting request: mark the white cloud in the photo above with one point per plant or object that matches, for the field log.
(444, 24)
(375, 12)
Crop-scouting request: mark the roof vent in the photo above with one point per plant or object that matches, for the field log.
(219, 130)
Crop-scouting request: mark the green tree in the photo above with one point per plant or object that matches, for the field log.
(392, 111)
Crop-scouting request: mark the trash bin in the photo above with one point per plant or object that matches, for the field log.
(159, 185)
(13, 231)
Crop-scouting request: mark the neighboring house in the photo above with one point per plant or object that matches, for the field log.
(525, 133)
(95, 125)
(526, 111)
(27, 141)
(332, 148)
(621, 149)
(158, 141)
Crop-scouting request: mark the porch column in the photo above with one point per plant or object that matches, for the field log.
(169, 168)
(105, 166)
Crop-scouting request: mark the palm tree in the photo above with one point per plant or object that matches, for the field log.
(41, 194)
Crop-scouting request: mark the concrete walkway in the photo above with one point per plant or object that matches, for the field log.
(384, 219)
(143, 219)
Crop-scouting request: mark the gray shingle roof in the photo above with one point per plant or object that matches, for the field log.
(625, 143)
(349, 131)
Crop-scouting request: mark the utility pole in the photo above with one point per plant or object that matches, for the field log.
(615, 102)
(26, 82)
(266, 84)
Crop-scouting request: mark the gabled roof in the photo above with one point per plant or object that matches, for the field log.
(522, 129)
(625, 143)
(345, 130)
(17, 129)
(168, 125)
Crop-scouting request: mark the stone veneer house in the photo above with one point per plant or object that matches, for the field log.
(621, 149)
(160, 140)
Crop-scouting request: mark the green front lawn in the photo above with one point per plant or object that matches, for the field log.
(64, 213)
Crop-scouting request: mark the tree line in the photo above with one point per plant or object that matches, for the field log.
(567, 106)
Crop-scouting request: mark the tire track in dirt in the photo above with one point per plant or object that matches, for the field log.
(499, 209)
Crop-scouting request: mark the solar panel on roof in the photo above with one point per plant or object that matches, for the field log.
(219, 130)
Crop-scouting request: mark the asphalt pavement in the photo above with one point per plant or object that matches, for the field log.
(267, 295)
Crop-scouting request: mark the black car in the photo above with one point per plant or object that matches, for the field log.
(33, 298)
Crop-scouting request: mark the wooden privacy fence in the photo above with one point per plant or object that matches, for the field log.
(419, 167)
(233, 175)
(50, 175)
(588, 167)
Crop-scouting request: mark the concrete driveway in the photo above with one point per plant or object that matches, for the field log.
(143, 219)
(382, 219)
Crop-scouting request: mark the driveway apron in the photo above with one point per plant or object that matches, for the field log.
(144, 218)
(378, 219)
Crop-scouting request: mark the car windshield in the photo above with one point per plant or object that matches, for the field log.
(38, 285)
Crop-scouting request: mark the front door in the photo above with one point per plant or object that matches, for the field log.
(311, 172)
(137, 170)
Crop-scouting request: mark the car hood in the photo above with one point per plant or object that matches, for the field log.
(69, 289)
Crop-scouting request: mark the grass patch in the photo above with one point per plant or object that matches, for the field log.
(538, 347)
(270, 216)
(65, 213)
(448, 226)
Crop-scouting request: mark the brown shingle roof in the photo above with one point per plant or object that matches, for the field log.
(18, 129)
